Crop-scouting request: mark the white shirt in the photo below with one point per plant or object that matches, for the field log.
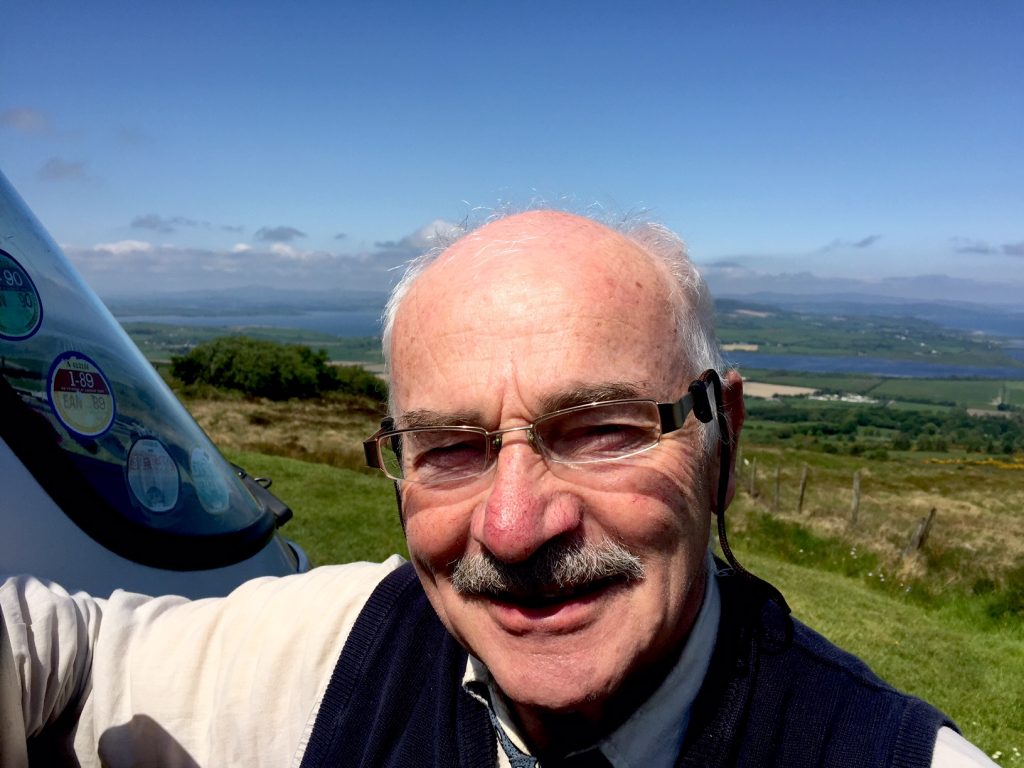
(228, 681)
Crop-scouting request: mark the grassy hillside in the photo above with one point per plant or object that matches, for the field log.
(944, 651)
(945, 622)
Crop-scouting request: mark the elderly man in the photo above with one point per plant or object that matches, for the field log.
(558, 450)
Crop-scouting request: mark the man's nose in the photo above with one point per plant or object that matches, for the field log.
(523, 509)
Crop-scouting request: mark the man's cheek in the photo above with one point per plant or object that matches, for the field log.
(436, 536)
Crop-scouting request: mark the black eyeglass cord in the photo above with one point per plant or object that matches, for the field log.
(724, 469)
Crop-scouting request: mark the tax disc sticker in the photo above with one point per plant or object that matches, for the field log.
(211, 487)
(153, 475)
(21, 312)
(80, 395)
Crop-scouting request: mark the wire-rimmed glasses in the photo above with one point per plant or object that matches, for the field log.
(584, 434)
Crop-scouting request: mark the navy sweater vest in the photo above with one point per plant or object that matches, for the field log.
(776, 694)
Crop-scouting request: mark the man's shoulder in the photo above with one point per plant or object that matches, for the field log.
(815, 651)
(799, 656)
(803, 699)
(822, 671)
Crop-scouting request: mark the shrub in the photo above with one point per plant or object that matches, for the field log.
(272, 370)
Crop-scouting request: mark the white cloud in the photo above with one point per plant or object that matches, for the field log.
(425, 237)
(129, 267)
(280, 249)
(122, 247)
(428, 236)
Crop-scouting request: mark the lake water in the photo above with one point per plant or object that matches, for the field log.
(364, 322)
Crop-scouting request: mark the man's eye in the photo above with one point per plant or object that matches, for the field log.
(439, 456)
(596, 441)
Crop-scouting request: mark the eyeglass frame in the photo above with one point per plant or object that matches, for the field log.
(671, 416)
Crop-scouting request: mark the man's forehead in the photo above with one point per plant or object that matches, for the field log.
(565, 300)
(536, 262)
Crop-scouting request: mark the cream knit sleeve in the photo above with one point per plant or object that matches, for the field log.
(134, 680)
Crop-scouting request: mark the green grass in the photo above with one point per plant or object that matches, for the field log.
(836, 382)
(1014, 393)
(903, 392)
(945, 651)
(938, 654)
(340, 515)
(904, 405)
(972, 393)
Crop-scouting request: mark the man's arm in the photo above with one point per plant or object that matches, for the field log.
(234, 680)
(45, 653)
(954, 751)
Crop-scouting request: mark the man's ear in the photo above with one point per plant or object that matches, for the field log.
(735, 413)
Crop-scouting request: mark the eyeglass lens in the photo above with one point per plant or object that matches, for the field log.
(583, 435)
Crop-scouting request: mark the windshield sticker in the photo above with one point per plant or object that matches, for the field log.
(80, 395)
(21, 312)
(153, 475)
(208, 478)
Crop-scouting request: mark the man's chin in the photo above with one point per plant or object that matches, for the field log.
(560, 657)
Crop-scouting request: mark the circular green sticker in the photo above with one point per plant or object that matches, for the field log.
(21, 312)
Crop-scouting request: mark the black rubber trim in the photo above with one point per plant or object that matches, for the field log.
(36, 443)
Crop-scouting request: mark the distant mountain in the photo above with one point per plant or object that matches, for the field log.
(245, 301)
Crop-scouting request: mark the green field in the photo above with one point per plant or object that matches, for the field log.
(970, 393)
(830, 382)
(159, 341)
(980, 393)
(945, 651)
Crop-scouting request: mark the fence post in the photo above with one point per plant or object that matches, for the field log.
(775, 497)
(855, 504)
(803, 487)
(753, 477)
(919, 537)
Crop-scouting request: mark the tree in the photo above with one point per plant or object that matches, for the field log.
(272, 370)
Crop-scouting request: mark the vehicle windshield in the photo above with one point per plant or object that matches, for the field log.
(96, 424)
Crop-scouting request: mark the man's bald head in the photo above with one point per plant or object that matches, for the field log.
(502, 238)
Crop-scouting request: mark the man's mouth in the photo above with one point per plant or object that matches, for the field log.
(553, 596)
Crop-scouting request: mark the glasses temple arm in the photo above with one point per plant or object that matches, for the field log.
(724, 471)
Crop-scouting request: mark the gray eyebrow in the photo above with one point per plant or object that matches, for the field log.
(593, 393)
(577, 395)
(426, 417)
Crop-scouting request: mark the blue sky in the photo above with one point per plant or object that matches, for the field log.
(797, 145)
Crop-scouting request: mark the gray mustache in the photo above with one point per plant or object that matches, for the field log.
(558, 565)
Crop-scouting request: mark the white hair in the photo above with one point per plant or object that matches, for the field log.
(689, 295)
